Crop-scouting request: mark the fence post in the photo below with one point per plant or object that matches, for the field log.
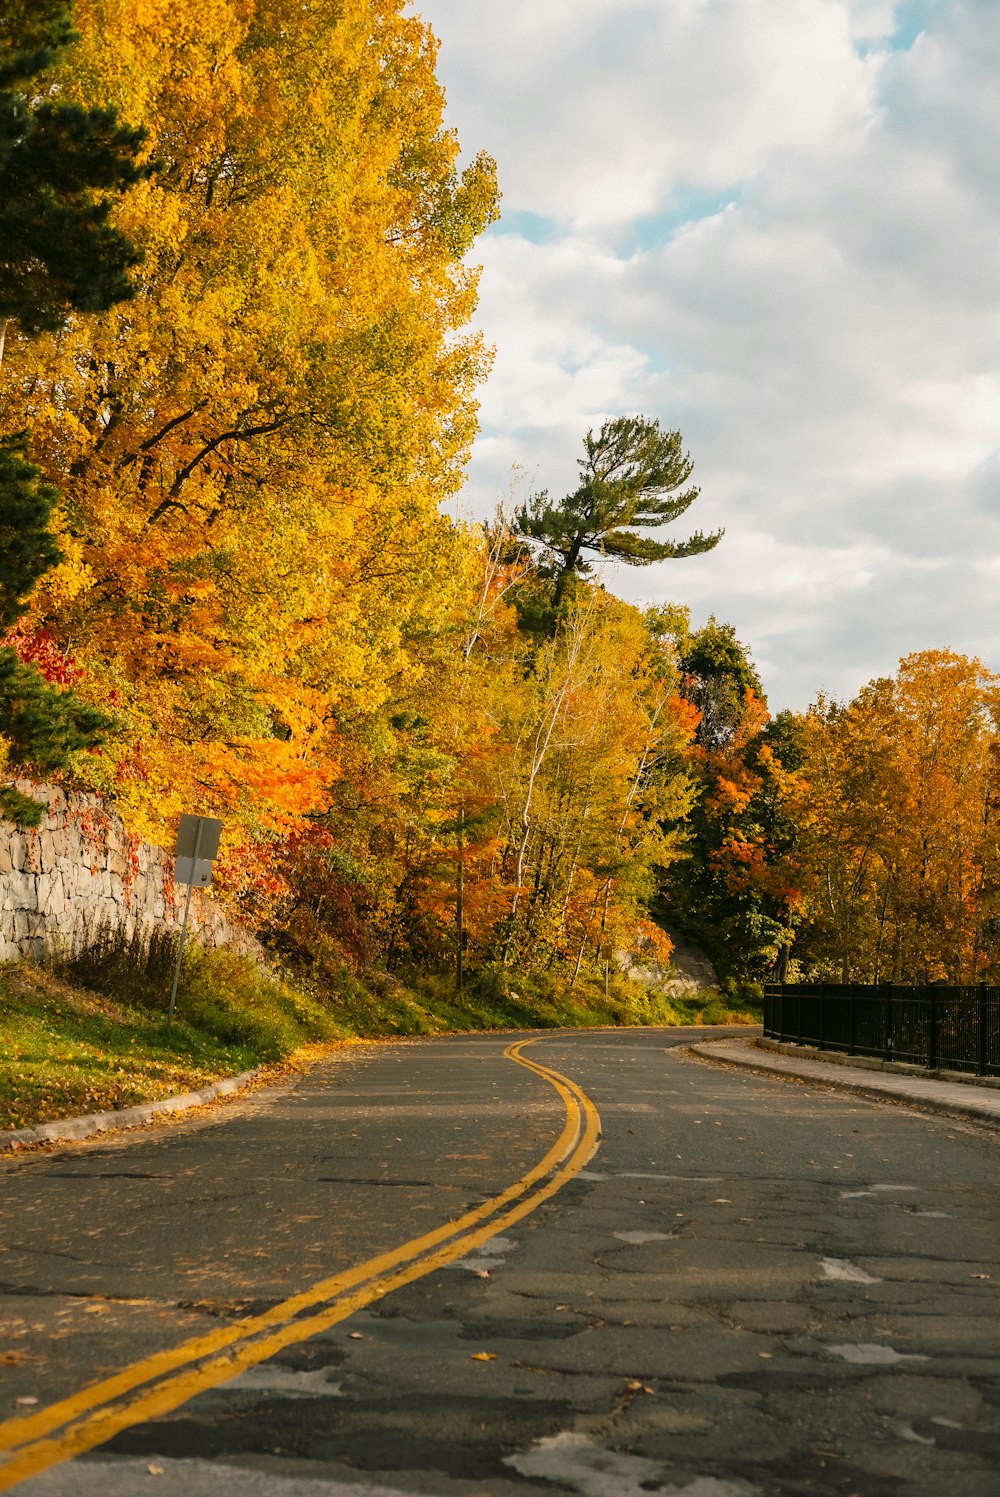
(853, 1019)
(932, 1038)
(887, 1052)
(983, 1031)
(822, 1016)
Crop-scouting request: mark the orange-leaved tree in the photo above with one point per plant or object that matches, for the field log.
(900, 829)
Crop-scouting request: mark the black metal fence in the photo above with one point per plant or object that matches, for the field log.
(945, 1028)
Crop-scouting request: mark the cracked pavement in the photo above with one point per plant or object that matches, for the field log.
(755, 1289)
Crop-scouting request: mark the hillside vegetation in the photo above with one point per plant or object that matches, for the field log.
(90, 1035)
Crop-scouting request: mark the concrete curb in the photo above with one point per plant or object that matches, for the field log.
(872, 1063)
(949, 1098)
(67, 1129)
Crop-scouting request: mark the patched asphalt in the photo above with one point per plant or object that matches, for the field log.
(754, 1288)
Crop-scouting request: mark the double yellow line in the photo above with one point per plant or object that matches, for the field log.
(167, 1379)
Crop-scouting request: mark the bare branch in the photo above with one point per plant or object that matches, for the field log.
(235, 434)
(151, 442)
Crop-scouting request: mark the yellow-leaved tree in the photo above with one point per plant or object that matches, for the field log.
(253, 451)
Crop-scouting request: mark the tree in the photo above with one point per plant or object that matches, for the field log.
(592, 785)
(58, 254)
(738, 890)
(42, 725)
(719, 679)
(27, 546)
(632, 477)
(253, 451)
(61, 166)
(898, 827)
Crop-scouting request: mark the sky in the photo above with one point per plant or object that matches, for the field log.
(775, 226)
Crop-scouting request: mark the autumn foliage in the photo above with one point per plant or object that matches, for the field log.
(855, 842)
(427, 745)
(251, 452)
(257, 585)
(898, 816)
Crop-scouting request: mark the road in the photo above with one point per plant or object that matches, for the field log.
(410, 1272)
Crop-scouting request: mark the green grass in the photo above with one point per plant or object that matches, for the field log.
(89, 1034)
(422, 1002)
(495, 999)
(66, 1050)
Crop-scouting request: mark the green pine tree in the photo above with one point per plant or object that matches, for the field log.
(632, 480)
(42, 725)
(718, 673)
(27, 546)
(60, 168)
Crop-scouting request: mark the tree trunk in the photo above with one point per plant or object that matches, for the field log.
(460, 904)
(785, 951)
(579, 964)
(568, 568)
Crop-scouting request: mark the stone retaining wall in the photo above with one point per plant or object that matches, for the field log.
(81, 872)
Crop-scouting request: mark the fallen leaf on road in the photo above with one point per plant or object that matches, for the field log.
(13, 1358)
(980, 1276)
(26, 1399)
(721, 1201)
(482, 1273)
(155, 1470)
(484, 1356)
(355, 1335)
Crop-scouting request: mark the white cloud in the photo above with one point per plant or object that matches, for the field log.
(826, 341)
(598, 112)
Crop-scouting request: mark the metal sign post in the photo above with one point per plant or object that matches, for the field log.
(195, 851)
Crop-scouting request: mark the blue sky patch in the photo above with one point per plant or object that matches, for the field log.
(912, 17)
(530, 226)
(688, 206)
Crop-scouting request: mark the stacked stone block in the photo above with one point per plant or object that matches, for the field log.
(81, 872)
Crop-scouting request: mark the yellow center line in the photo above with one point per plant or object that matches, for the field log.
(17, 1431)
(95, 1414)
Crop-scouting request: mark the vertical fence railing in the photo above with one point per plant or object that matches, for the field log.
(940, 1027)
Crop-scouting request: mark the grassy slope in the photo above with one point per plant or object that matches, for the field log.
(93, 1039)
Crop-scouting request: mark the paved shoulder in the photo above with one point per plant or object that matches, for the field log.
(953, 1098)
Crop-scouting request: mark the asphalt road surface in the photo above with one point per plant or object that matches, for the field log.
(416, 1271)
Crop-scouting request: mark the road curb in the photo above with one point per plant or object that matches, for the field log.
(873, 1063)
(68, 1129)
(915, 1094)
